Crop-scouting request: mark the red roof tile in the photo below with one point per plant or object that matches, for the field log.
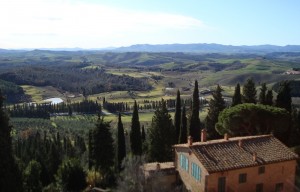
(221, 155)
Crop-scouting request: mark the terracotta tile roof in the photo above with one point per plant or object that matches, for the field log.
(222, 155)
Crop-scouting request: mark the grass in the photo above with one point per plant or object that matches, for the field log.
(131, 74)
(33, 92)
(38, 94)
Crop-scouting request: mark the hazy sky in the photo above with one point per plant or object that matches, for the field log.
(106, 23)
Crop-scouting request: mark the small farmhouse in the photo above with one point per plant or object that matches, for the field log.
(252, 163)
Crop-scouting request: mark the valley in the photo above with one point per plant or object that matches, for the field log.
(142, 76)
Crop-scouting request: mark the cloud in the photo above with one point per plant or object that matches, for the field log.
(75, 23)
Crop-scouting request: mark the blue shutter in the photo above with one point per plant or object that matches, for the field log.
(196, 172)
(184, 162)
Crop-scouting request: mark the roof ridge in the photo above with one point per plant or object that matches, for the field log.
(232, 139)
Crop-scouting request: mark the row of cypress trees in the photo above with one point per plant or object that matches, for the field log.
(265, 97)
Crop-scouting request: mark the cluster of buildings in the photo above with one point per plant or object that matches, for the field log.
(252, 163)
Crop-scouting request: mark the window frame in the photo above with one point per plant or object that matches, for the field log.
(259, 187)
(279, 187)
(221, 184)
(242, 178)
(261, 170)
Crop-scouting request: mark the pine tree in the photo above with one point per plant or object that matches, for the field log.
(183, 127)
(216, 105)
(262, 94)
(249, 92)
(177, 116)
(269, 97)
(237, 97)
(195, 124)
(10, 177)
(284, 99)
(161, 135)
(103, 150)
(135, 134)
(121, 148)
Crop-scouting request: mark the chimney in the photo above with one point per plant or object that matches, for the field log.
(157, 166)
(254, 156)
(203, 135)
(240, 143)
(190, 140)
(226, 136)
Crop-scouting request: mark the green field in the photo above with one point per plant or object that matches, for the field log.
(38, 94)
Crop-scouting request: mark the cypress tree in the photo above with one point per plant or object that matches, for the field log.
(103, 150)
(269, 97)
(10, 177)
(295, 129)
(262, 94)
(91, 149)
(237, 97)
(249, 92)
(143, 134)
(135, 133)
(177, 116)
(195, 124)
(183, 127)
(216, 105)
(53, 160)
(71, 176)
(121, 148)
(284, 99)
(32, 175)
(161, 135)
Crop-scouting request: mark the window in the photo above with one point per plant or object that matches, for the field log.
(196, 172)
(261, 170)
(184, 162)
(221, 184)
(243, 178)
(260, 187)
(279, 187)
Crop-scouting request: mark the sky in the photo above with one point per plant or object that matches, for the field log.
(115, 23)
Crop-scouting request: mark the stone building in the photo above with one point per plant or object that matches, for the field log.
(252, 163)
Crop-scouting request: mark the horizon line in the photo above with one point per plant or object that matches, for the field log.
(148, 44)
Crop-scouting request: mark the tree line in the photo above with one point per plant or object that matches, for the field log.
(45, 110)
(115, 107)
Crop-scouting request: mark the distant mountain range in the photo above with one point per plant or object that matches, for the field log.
(209, 48)
(195, 48)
